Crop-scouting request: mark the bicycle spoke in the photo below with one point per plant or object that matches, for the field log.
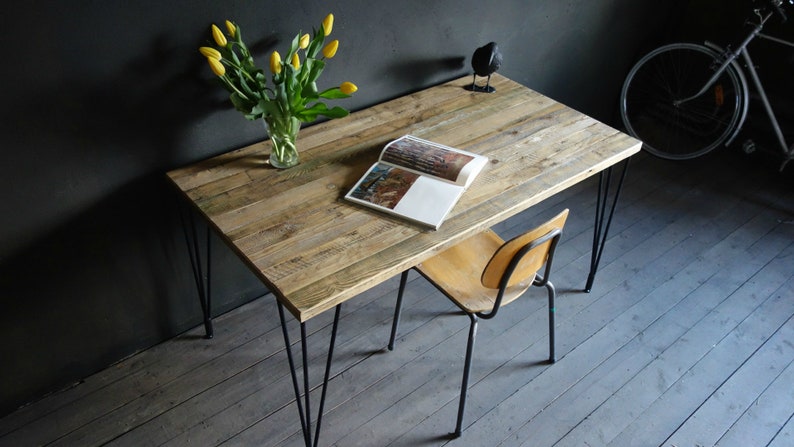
(651, 104)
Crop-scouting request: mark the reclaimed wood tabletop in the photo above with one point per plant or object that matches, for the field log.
(314, 250)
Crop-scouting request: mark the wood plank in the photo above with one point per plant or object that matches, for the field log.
(741, 389)
(657, 421)
(144, 373)
(634, 370)
(785, 436)
(761, 423)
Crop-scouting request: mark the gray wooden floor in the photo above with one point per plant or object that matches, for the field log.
(687, 339)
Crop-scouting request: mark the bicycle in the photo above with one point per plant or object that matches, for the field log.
(683, 100)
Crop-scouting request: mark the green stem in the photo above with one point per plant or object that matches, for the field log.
(245, 73)
(233, 87)
(240, 68)
(283, 129)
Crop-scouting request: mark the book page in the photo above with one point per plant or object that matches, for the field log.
(427, 158)
(384, 186)
(429, 201)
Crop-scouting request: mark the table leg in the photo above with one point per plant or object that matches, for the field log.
(304, 408)
(602, 220)
(203, 282)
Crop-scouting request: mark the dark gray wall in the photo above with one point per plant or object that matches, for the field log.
(100, 99)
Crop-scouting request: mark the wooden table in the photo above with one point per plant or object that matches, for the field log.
(314, 250)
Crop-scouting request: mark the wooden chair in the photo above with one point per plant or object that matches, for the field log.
(483, 273)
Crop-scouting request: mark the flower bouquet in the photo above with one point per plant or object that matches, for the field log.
(291, 96)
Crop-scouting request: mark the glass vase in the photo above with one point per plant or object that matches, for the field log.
(283, 133)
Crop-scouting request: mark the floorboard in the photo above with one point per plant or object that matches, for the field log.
(687, 339)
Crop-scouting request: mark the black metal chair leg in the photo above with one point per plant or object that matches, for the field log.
(464, 386)
(398, 309)
(552, 313)
(602, 220)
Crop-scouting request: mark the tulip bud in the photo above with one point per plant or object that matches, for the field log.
(330, 50)
(304, 41)
(348, 88)
(328, 24)
(275, 63)
(216, 66)
(296, 61)
(231, 28)
(210, 53)
(220, 39)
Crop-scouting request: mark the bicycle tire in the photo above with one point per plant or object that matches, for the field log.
(692, 128)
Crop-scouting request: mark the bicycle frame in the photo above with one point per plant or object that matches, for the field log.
(788, 151)
(729, 58)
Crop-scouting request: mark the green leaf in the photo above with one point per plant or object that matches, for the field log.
(309, 93)
(315, 70)
(294, 46)
(234, 56)
(261, 79)
(336, 112)
(316, 43)
(240, 103)
(311, 113)
(264, 108)
(333, 93)
(247, 89)
(306, 69)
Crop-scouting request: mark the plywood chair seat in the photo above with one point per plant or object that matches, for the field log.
(483, 273)
(457, 273)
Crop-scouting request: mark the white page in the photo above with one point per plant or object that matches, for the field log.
(429, 200)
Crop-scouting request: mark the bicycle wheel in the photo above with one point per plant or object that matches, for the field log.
(692, 128)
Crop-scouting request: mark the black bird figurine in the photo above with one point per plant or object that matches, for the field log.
(485, 61)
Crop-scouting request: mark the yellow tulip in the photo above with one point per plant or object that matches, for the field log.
(348, 88)
(330, 50)
(210, 53)
(296, 61)
(275, 62)
(231, 28)
(303, 43)
(216, 66)
(328, 24)
(220, 39)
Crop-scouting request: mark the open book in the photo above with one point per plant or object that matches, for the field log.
(417, 179)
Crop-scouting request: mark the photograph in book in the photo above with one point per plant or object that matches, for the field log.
(426, 158)
(417, 179)
(385, 186)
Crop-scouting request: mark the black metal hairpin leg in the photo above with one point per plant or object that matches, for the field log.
(203, 282)
(602, 220)
(304, 408)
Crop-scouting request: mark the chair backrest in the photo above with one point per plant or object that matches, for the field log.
(530, 262)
